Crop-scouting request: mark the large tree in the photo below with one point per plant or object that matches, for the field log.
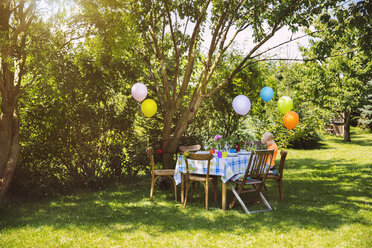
(171, 40)
(339, 65)
(15, 20)
(27, 45)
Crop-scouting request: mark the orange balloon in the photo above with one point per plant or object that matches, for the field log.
(290, 120)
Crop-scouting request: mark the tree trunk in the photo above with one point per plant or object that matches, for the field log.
(15, 19)
(347, 126)
(9, 146)
(171, 140)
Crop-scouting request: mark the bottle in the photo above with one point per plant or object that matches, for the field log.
(237, 147)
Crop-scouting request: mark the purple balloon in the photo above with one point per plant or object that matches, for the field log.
(139, 91)
(241, 104)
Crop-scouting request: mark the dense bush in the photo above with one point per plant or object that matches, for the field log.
(78, 127)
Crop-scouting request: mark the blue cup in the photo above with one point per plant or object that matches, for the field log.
(232, 150)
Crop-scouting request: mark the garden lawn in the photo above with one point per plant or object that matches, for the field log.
(327, 196)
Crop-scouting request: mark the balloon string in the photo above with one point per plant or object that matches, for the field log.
(148, 136)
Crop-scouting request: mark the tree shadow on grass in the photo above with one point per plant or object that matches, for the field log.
(320, 199)
(357, 138)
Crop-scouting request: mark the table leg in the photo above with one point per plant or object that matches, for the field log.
(182, 188)
(223, 196)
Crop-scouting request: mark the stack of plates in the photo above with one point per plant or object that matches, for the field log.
(232, 154)
(202, 152)
(243, 152)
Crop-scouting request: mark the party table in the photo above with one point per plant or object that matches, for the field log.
(226, 168)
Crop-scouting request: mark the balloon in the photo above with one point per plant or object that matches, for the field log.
(285, 104)
(139, 91)
(267, 94)
(290, 120)
(241, 104)
(149, 107)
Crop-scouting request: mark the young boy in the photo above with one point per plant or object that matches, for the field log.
(268, 139)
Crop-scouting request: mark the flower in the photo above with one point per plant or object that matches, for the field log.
(159, 151)
(217, 137)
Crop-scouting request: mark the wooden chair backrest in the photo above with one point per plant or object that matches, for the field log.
(283, 156)
(193, 148)
(150, 152)
(208, 157)
(257, 167)
(254, 144)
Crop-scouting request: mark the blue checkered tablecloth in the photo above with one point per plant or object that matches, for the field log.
(224, 167)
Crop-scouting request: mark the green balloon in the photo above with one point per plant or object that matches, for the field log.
(285, 104)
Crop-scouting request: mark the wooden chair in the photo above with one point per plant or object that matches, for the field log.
(278, 177)
(155, 174)
(254, 145)
(255, 175)
(205, 180)
(193, 148)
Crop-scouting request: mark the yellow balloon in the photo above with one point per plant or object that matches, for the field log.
(149, 107)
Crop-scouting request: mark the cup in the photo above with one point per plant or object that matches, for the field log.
(232, 150)
(211, 151)
(219, 154)
(224, 154)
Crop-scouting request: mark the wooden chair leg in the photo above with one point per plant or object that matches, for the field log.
(232, 203)
(265, 187)
(187, 191)
(238, 190)
(206, 195)
(152, 187)
(281, 191)
(182, 187)
(175, 187)
(215, 183)
(237, 197)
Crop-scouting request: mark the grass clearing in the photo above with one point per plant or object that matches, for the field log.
(327, 196)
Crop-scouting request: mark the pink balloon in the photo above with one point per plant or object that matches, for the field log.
(139, 91)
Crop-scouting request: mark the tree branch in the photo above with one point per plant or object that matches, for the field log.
(177, 55)
(305, 60)
(160, 56)
(191, 56)
(247, 57)
(288, 41)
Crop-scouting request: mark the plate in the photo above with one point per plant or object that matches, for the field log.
(202, 152)
(232, 154)
(244, 153)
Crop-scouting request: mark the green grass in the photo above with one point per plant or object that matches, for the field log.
(327, 204)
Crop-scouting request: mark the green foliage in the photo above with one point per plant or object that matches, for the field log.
(82, 128)
(78, 122)
(365, 120)
(336, 75)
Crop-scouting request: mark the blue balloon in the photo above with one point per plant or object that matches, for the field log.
(267, 94)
